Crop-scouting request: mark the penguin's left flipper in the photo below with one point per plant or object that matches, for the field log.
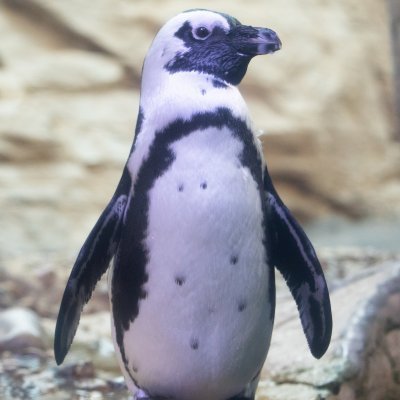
(294, 256)
(92, 262)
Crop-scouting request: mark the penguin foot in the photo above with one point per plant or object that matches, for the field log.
(142, 395)
(242, 398)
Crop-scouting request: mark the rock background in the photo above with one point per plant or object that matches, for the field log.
(69, 89)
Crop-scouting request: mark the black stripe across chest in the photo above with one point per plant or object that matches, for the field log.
(130, 274)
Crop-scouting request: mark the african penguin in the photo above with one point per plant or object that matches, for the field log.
(196, 228)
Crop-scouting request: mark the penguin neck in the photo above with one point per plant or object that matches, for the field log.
(179, 96)
(166, 97)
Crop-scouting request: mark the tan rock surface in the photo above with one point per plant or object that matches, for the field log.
(69, 78)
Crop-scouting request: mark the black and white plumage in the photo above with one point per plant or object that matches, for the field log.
(196, 227)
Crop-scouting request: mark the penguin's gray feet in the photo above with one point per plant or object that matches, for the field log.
(142, 395)
(242, 398)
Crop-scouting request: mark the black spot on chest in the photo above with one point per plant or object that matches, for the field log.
(180, 280)
(194, 343)
(203, 185)
(234, 259)
(242, 305)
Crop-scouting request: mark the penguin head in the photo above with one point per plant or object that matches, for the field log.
(209, 43)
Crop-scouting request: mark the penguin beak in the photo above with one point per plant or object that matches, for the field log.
(250, 41)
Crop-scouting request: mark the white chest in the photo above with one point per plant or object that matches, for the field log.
(205, 322)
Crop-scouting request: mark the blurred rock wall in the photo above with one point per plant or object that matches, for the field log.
(69, 89)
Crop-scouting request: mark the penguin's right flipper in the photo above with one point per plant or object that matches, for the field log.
(93, 260)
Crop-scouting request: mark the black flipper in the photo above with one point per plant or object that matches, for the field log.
(294, 256)
(93, 260)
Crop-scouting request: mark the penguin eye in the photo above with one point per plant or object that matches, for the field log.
(201, 33)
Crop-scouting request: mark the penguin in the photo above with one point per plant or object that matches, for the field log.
(196, 228)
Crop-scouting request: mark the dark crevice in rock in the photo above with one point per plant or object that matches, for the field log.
(44, 20)
(49, 29)
(305, 186)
